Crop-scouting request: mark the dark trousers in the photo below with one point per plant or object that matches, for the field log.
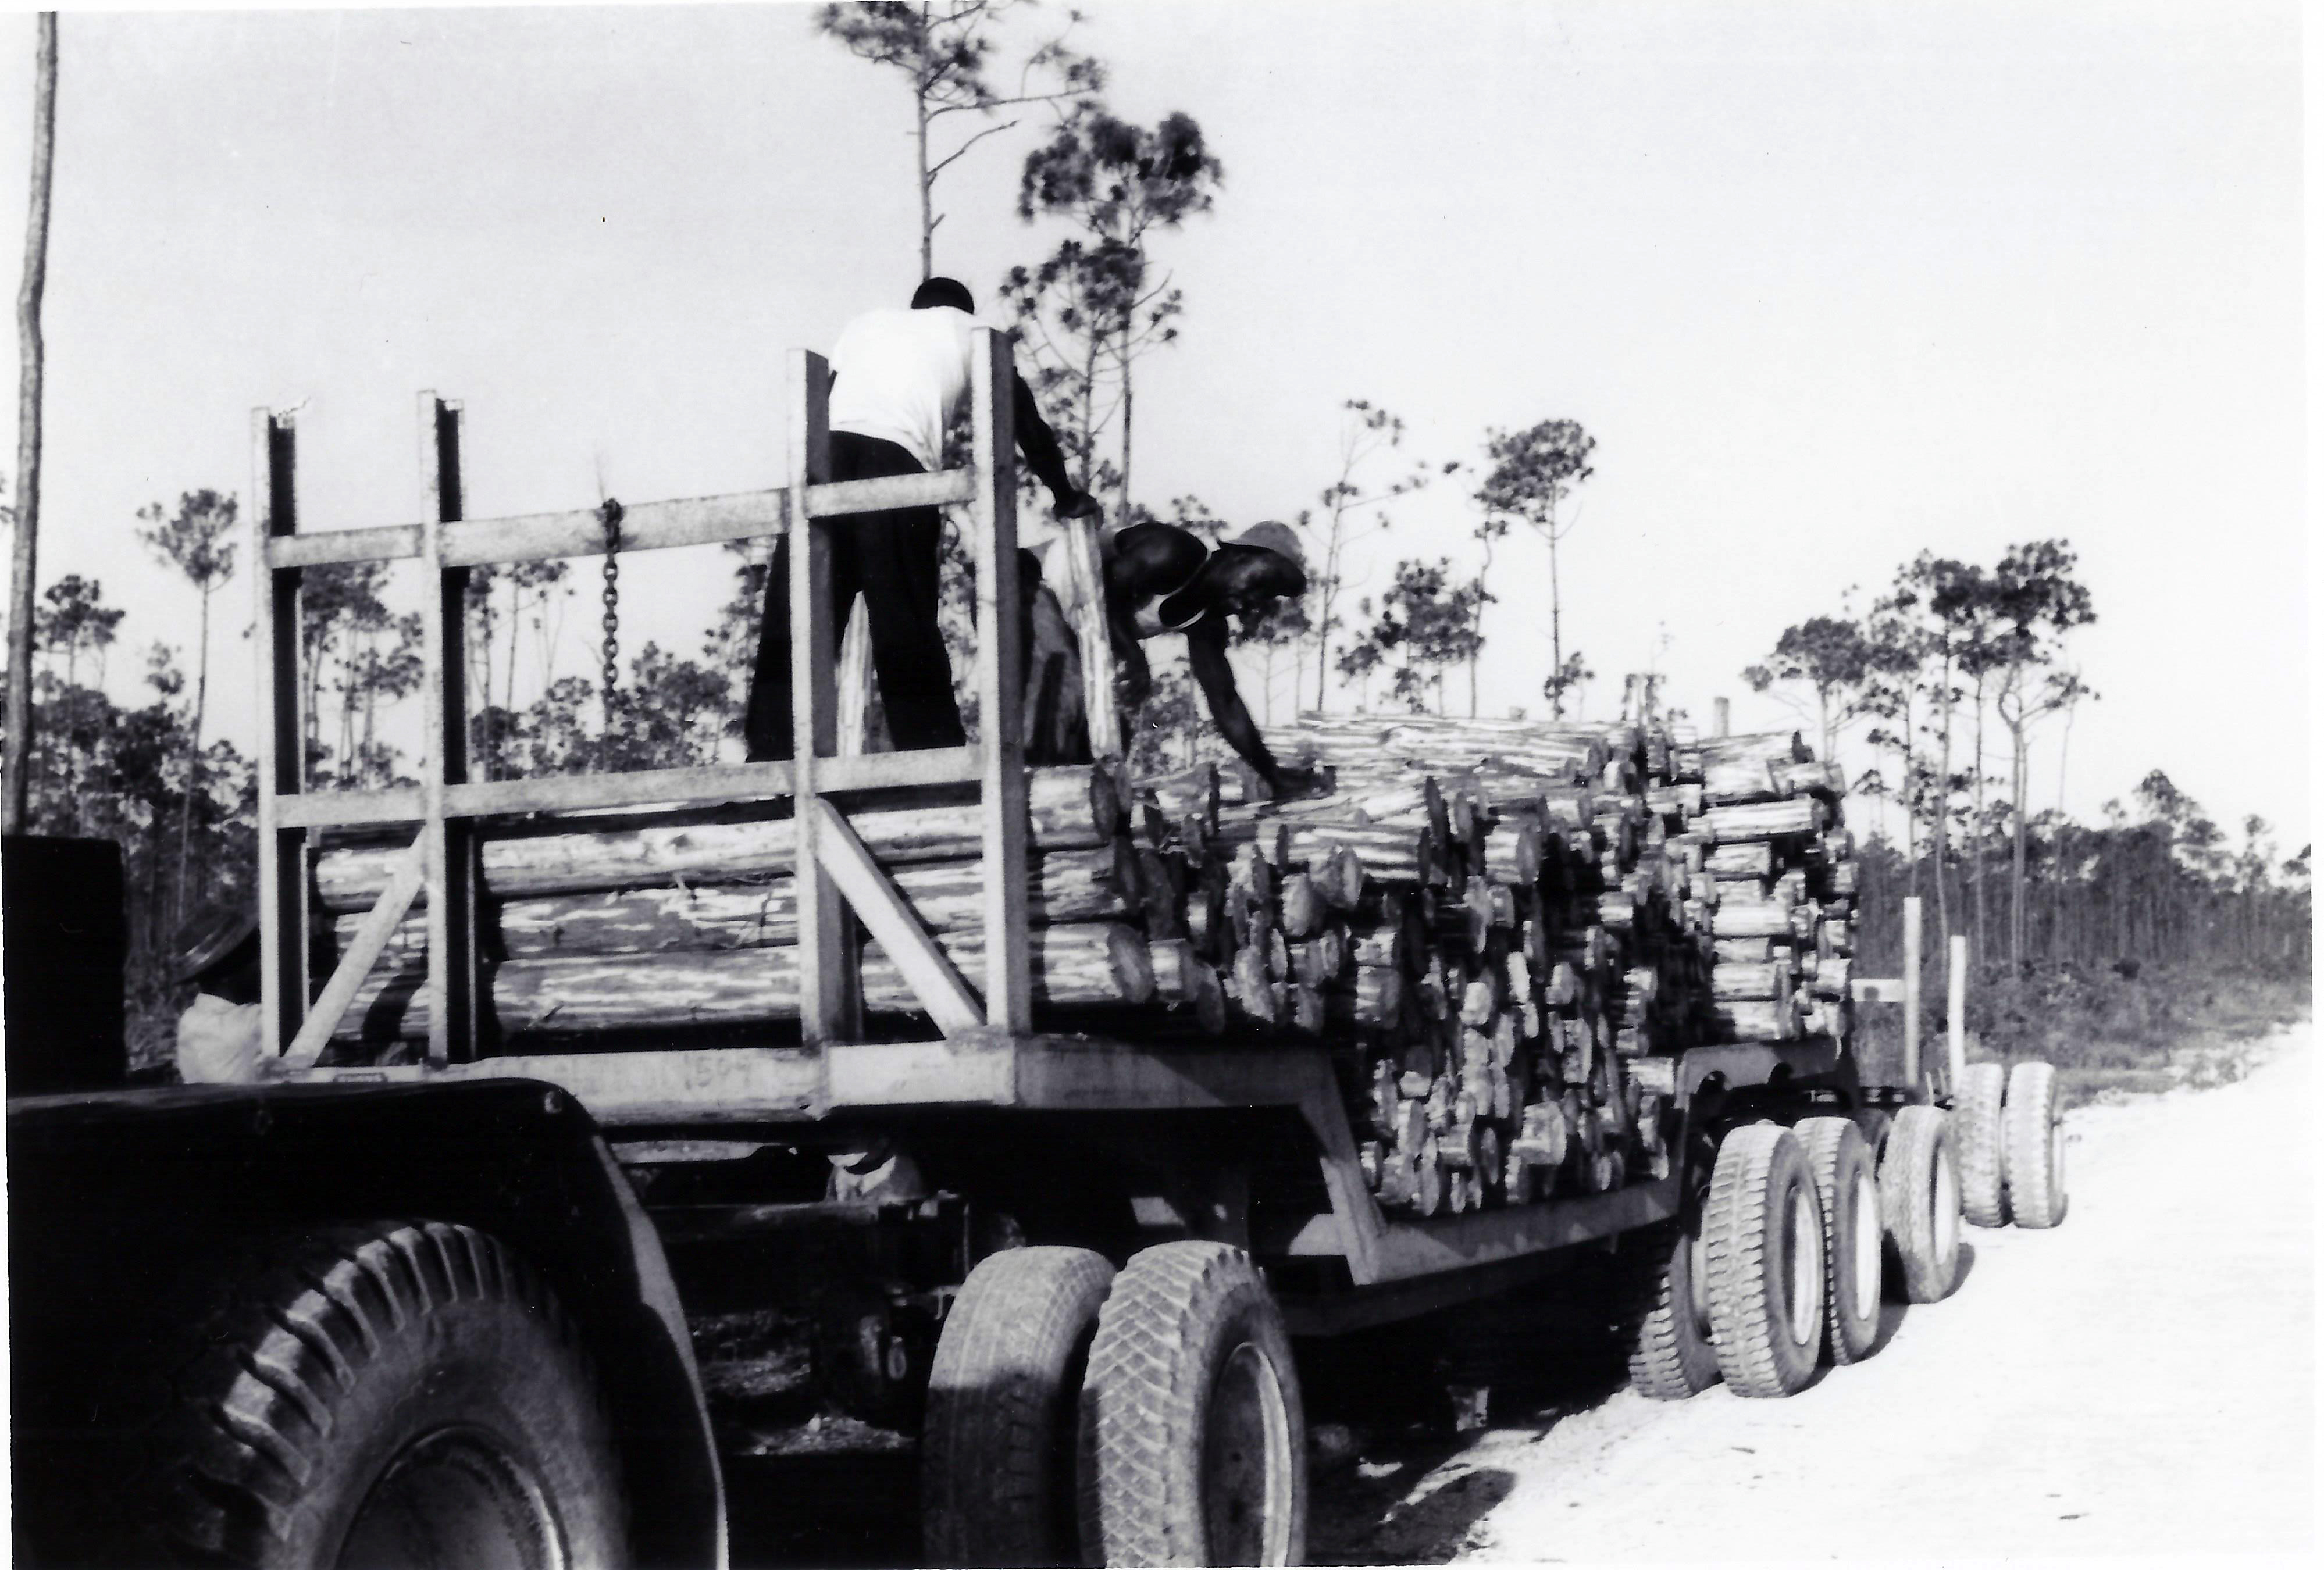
(890, 559)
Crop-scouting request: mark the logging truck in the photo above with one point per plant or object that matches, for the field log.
(1056, 1149)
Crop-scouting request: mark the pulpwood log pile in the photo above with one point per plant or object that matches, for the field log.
(1506, 930)
(1551, 912)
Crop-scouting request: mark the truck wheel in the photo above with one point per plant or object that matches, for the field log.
(1976, 1126)
(1849, 1196)
(1194, 1448)
(1671, 1357)
(1763, 1250)
(2036, 1147)
(1919, 1203)
(996, 1473)
(403, 1393)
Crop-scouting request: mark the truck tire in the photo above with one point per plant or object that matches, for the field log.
(1195, 1446)
(1670, 1353)
(1763, 1250)
(1977, 1128)
(1919, 1203)
(997, 1482)
(2035, 1158)
(1849, 1195)
(404, 1393)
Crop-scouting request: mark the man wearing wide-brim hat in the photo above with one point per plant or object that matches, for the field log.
(1160, 578)
(220, 1034)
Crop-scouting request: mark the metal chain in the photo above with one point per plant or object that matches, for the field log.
(611, 515)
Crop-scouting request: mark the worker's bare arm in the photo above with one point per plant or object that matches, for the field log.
(1207, 656)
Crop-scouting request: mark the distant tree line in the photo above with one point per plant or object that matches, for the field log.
(1955, 662)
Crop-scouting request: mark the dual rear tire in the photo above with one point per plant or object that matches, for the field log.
(1170, 1387)
(2012, 1146)
(2034, 1146)
(1782, 1264)
(1840, 1159)
(1764, 1260)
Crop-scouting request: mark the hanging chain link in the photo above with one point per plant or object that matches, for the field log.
(611, 515)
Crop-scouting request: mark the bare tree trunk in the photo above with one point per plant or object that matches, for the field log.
(1912, 819)
(1328, 594)
(2017, 847)
(927, 180)
(15, 790)
(1476, 628)
(1089, 416)
(1942, 837)
(1556, 633)
(1126, 401)
(1977, 832)
(193, 760)
(508, 680)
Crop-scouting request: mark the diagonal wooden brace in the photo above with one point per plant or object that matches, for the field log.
(933, 980)
(403, 886)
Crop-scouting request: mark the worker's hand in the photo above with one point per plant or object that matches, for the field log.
(1078, 504)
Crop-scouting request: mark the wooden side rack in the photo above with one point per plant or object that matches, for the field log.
(836, 874)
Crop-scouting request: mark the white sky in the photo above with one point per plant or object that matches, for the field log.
(1830, 282)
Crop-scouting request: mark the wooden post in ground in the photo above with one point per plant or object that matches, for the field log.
(1957, 1005)
(1911, 969)
(1719, 716)
(828, 987)
(282, 763)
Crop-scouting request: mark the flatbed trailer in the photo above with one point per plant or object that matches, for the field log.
(1072, 1263)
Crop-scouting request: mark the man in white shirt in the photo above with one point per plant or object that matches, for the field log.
(900, 378)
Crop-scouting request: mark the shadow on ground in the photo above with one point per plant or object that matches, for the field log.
(1539, 1355)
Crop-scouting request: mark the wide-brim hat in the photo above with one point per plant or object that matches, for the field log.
(1278, 537)
(210, 937)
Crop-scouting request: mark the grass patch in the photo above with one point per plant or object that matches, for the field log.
(2081, 1086)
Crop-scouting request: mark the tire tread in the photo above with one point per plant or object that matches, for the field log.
(1978, 1138)
(1827, 1142)
(2037, 1198)
(287, 1327)
(1735, 1232)
(1141, 1399)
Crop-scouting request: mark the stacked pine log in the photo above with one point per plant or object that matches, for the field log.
(663, 925)
(1577, 903)
(1505, 932)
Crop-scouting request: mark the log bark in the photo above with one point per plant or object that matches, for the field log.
(1757, 1022)
(1763, 820)
(1750, 918)
(1063, 887)
(1090, 965)
(1740, 983)
(1068, 809)
(1752, 858)
(1390, 854)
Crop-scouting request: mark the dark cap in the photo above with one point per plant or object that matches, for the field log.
(943, 291)
(212, 939)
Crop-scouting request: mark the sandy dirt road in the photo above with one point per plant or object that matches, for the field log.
(2139, 1381)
